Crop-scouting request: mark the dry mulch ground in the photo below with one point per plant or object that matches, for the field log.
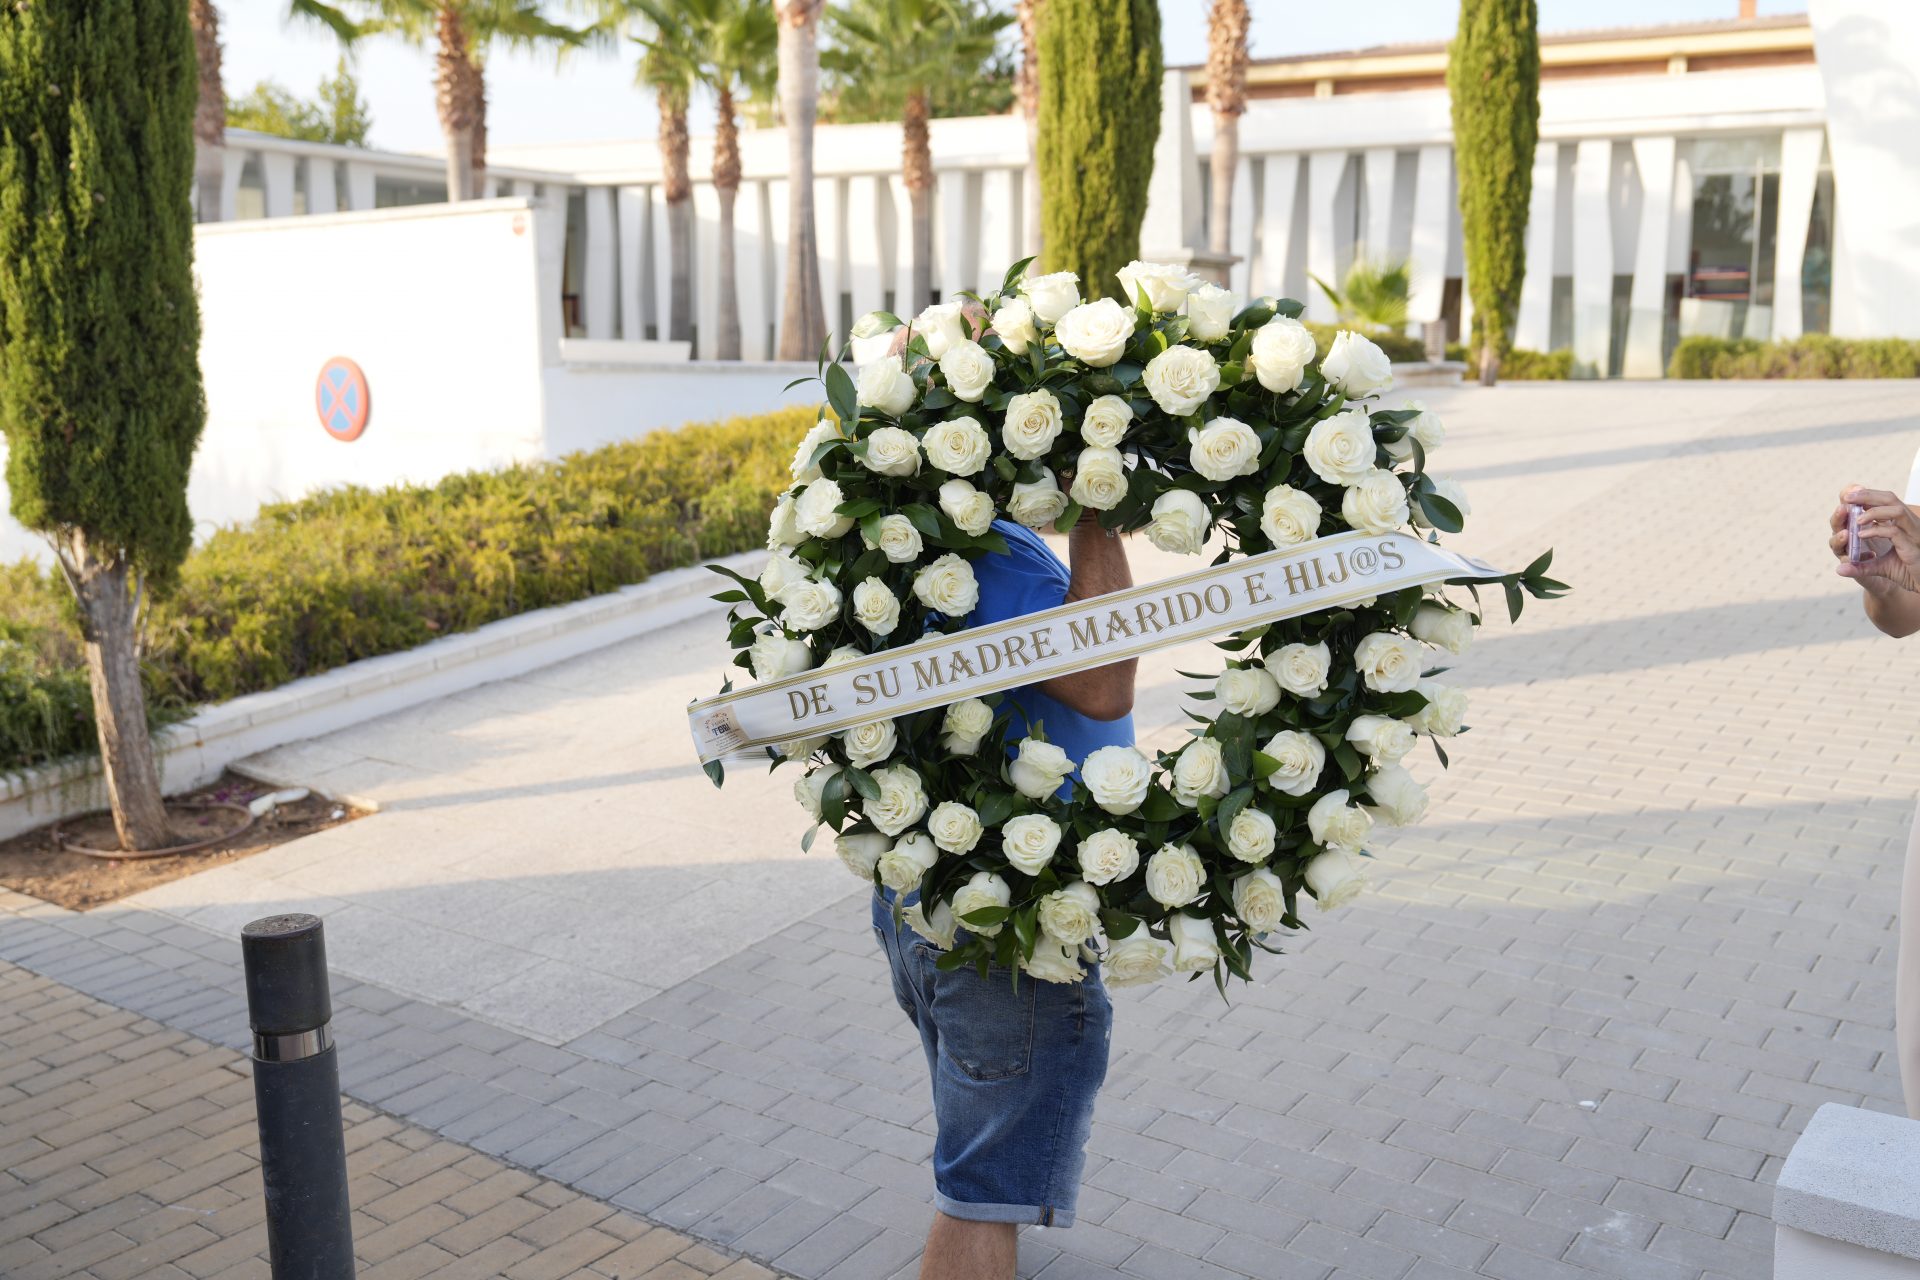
(36, 865)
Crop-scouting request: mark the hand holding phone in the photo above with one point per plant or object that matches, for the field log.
(1857, 551)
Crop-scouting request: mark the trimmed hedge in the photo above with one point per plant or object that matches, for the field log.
(1816, 355)
(1398, 346)
(1521, 365)
(354, 573)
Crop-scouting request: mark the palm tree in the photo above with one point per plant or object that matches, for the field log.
(1227, 24)
(891, 55)
(803, 323)
(210, 115)
(1026, 89)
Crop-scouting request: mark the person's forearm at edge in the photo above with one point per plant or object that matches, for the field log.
(1099, 566)
(1891, 608)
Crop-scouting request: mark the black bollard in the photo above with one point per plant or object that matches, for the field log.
(296, 1091)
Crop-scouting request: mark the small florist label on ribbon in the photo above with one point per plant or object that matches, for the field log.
(1084, 634)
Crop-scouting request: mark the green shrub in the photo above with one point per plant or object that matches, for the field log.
(1398, 346)
(1816, 355)
(1521, 365)
(46, 712)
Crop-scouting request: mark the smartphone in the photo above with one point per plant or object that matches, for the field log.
(1857, 552)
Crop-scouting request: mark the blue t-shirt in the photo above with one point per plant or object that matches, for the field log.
(1028, 579)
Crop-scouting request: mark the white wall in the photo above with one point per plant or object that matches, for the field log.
(595, 403)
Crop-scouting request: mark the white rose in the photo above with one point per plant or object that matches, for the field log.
(1095, 333)
(940, 326)
(1181, 379)
(1387, 662)
(1135, 960)
(1033, 423)
(937, 927)
(1381, 739)
(1180, 522)
(966, 506)
(1248, 691)
(902, 866)
(1223, 449)
(1250, 836)
(841, 656)
(1445, 712)
(1282, 349)
(861, 850)
(1336, 878)
(958, 446)
(870, 743)
(902, 802)
(1166, 285)
(876, 608)
(899, 540)
(1038, 503)
(947, 586)
(1260, 900)
(1210, 312)
(800, 748)
(803, 468)
(814, 511)
(1449, 629)
(1118, 777)
(783, 527)
(1401, 800)
(1194, 947)
(812, 787)
(1301, 669)
(1105, 421)
(1338, 825)
(1099, 479)
(984, 891)
(779, 573)
(1341, 449)
(1289, 516)
(1356, 367)
(1039, 769)
(1200, 770)
(954, 827)
(968, 370)
(1014, 323)
(810, 605)
(1051, 296)
(1426, 428)
(1449, 488)
(892, 451)
(1301, 759)
(1053, 961)
(967, 722)
(1377, 504)
(774, 656)
(885, 386)
(1108, 855)
(1175, 875)
(1071, 913)
(1029, 841)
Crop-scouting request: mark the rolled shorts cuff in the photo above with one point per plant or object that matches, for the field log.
(1029, 1215)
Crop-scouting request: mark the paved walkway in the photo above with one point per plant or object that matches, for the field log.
(1645, 932)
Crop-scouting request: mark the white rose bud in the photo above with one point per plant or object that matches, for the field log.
(940, 326)
(1053, 961)
(1175, 875)
(1210, 312)
(1014, 323)
(876, 608)
(1099, 479)
(1071, 913)
(1341, 449)
(968, 370)
(841, 656)
(1051, 296)
(1136, 960)
(892, 451)
(1029, 841)
(1181, 379)
(966, 506)
(954, 827)
(1195, 949)
(937, 926)
(1301, 759)
(803, 468)
(1387, 662)
(1338, 825)
(1449, 488)
(1449, 629)
(861, 850)
(1223, 449)
(1200, 770)
(1108, 855)
(958, 446)
(1260, 900)
(1248, 691)
(870, 743)
(1250, 836)
(966, 724)
(1180, 522)
(1381, 739)
(814, 511)
(947, 586)
(1118, 777)
(1105, 421)
(902, 866)
(902, 802)
(1095, 333)
(1301, 669)
(1166, 285)
(885, 386)
(1289, 516)
(1336, 878)
(1356, 367)
(775, 657)
(1426, 428)
(1400, 799)
(1032, 424)
(1038, 503)
(1445, 712)
(1376, 504)
(984, 891)
(899, 540)
(812, 787)
(783, 527)
(1039, 769)
(1282, 349)
(810, 605)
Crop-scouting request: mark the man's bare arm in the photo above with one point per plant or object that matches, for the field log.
(1099, 565)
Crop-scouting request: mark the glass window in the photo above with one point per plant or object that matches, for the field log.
(1727, 291)
(391, 193)
(250, 197)
(1816, 269)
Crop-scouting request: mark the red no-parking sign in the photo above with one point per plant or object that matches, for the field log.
(342, 400)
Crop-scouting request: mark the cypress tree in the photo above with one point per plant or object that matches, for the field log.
(1099, 118)
(1493, 77)
(100, 396)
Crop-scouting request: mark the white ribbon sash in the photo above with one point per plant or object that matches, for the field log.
(942, 669)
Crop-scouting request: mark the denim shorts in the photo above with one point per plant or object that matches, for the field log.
(1014, 1077)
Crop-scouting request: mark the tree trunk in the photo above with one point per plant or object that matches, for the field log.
(479, 178)
(803, 323)
(1223, 164)
(210, 113)
(454, 94)
(916, 168)
(1026, 89)
(676, 188)
(1489, 364)
(1227, 23)
(726, 185)
(109, 618)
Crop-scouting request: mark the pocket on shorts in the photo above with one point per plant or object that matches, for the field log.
(985, 1025)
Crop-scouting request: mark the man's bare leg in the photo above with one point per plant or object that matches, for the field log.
(962, 1250)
